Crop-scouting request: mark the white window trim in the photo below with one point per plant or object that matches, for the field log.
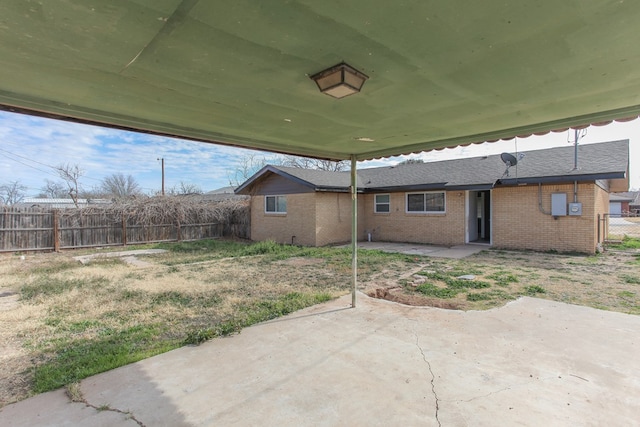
(406, 203)
(375, 203)
(276, 212)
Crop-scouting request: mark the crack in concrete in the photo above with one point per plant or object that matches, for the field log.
(75, 395)
(433, 378)
(491, 393)
(482, 396)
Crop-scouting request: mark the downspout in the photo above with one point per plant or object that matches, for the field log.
(540, 200)
(354, 231)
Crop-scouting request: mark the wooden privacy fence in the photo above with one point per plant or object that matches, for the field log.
(37, 229)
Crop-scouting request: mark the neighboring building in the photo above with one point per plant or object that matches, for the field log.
(37, 202)
(623, 203)
(222, 194)
(542, 203)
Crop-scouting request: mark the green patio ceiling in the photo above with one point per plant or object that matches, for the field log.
(236, 72)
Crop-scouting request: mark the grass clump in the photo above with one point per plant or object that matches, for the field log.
(494, 295)
(259, 311)
(47, 286)
(626, 294)
(74, 360)
(534, 289)
(450, 279)
(632, 280)
(221, 247)
(53, 268)
(431, 290)
(265, 247)
(503, 278)
(184, 299)
(627, 243)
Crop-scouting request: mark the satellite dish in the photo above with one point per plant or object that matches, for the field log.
(509, 160)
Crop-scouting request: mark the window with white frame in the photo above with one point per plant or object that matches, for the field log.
(275, 204)
(382, 203)
(427, 202)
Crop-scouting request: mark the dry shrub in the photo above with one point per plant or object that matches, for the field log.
(233, 215)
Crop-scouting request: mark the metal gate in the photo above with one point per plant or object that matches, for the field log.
(613, 228)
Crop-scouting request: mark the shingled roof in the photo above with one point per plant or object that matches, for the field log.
(607, 160)
(633, 197)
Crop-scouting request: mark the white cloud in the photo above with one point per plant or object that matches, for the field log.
(615, 131)
(29, 144)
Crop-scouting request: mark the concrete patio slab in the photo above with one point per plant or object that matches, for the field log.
(533, 362)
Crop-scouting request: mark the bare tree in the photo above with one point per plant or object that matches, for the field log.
(12, 193)
(120, 186)
(53, 190)
(185, 188)
(249, 165)
(319, 164)
(71, 175)
(410, 162)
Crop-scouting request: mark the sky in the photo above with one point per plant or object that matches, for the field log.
(31, 147)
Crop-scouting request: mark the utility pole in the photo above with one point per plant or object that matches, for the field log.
(578, 134)
(162, 163)
(575, 149)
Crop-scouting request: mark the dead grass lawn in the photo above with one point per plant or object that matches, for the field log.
(49, 302)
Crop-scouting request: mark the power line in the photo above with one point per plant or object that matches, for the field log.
(24, 164)
(52, 173)
(43, 164)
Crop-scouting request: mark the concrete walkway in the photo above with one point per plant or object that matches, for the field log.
(533, 362)
(460, 251)
(127, 256)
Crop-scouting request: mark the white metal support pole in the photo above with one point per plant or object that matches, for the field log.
(354, 231)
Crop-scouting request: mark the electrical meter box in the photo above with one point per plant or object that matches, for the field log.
(575, 209)
(559, 204)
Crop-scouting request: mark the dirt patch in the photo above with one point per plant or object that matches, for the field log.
(608, 281)
(8, 300)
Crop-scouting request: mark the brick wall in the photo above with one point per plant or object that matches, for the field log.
(601, 207)
(317, 219)
(399, 226)
(299, 221)
(518, 222)
(333, 218)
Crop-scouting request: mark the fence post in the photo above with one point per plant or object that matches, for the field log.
(124, 229)
(56, 231)
(179, 233)
(598, 228)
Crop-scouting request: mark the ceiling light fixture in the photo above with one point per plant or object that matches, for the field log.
(340, 80)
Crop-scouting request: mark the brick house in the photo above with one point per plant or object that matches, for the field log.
(624, 203)
(542, 203)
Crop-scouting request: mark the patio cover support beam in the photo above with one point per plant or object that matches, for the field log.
(354, 231)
